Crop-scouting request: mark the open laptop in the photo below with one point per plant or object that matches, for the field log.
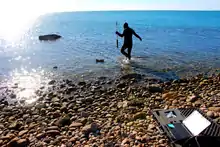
(191, 126)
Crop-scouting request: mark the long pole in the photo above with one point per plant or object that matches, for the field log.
(117, 35)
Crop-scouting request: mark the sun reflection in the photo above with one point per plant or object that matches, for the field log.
(28, 82)
(16, 17)
(12, 29)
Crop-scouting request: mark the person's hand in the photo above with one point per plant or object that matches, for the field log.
(117, 32)
(140, 39)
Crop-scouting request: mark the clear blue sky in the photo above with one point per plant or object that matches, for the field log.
(30, 7)
(23, 12)
(145, 4)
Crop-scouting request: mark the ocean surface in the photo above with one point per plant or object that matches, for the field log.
(175, 44)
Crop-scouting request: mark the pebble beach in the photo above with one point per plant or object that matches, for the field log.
(103, 112)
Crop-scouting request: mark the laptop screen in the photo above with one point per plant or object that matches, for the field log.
(196, 123)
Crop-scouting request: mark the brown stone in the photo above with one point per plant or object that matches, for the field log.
(73, 139)
(75, 124)
(52, 128)
(41, 135)
(151, 126)
(198, 103)
(32, 125)
(215, 109)
(192, 98)
(210, 114)
(21, 133)
(53, 132)
(169, 95)
(175, 102)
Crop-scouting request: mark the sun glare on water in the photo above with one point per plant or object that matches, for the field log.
(28, 82)
(17, 17)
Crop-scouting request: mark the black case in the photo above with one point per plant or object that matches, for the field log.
(178, 137)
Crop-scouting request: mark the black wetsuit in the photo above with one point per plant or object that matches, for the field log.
(128, 42)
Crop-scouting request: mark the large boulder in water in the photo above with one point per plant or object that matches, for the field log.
(49, 37)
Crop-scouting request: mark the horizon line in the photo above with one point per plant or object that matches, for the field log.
(208, 10)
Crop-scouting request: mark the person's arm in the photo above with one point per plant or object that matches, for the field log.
(136, 35)
(119, 34)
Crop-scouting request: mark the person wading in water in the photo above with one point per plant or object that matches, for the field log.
(128, 42)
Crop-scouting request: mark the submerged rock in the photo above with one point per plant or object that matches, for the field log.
(49, 37)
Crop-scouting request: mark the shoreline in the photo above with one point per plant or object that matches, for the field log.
(104, 112)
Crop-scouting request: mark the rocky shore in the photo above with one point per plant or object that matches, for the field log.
(104, 113)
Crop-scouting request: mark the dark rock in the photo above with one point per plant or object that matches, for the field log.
(49, 37)
(136, 103)
(64, 109)
(102, 78)
(22, 101)
(99, 60)
(92, 128)
(56, 104)
(84, 114)
(104, 104)
(13, 96)
(109, 82)
(18, 143)
(51, 82)
(88, 100)
(64, 121)
(70, 89)
(140, 115)
(82, 83)
(131, 76)
(155, 88)
(121, 85)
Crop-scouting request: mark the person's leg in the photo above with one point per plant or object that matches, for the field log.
(123, 48)
(129, 52)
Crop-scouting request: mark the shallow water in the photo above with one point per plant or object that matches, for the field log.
(174, 44)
